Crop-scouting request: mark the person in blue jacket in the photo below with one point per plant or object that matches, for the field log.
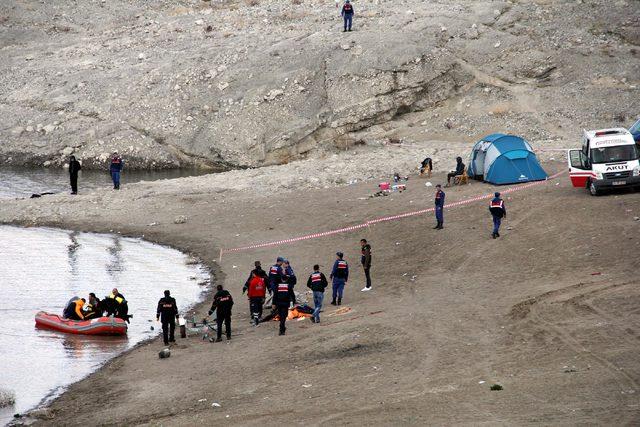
(498, 211)
(115, 167)
(339, 276)
(439, 202)
(347, 14)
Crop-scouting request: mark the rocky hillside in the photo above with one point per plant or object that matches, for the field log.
(257, 82)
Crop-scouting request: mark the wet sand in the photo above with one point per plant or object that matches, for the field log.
(549, 310)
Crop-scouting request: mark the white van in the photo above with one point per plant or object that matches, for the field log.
(609, 158)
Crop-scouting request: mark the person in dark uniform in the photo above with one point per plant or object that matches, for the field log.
(439, 202)
(317, 282)
(459, 170)
(115, 168)
(94, 310)
(498, 211)
(365, 260)
(222, 303)
(289, 275)
(74, 168)
(276, 274)
(168, 313)
(282, 299)
(339, 277)
(347, 14)
(116, 305)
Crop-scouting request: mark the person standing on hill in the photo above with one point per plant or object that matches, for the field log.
(347, 15)
(317, 282)
(115, 168)
(339, 276)
(365, 260)
(167, 312)
(439, 202)
(222, 304)
(74, 168)
(498, 211)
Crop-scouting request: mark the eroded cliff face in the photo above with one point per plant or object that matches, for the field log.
(232, 84)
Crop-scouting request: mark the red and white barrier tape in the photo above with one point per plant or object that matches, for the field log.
(388, 218)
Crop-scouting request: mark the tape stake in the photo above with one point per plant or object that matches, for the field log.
(220, 257)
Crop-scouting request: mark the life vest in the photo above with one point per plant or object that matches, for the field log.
(348, 9)
(316, 277)
(119, 299)
(257, 289)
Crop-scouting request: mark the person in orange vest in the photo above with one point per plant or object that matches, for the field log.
(498, 211)
(256, 292)
(73, 309)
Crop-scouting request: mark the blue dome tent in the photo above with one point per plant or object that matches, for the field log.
(504, 159)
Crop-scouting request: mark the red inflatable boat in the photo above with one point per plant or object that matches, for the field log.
(100, 326)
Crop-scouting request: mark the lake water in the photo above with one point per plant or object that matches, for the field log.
(23, 182)
(41, 269)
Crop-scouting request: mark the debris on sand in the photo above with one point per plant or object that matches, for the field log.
(496, 387)
(164, 353)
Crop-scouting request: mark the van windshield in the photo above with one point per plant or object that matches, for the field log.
(619, 153)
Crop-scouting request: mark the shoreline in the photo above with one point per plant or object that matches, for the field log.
(41, 409)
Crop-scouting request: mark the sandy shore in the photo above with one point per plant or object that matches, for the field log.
(549, 311)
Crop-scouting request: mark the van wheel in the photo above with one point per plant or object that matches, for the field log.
(592, 189)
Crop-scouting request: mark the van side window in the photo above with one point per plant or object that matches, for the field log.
(578, 159)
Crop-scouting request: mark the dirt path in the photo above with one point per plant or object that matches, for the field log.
(450, 309)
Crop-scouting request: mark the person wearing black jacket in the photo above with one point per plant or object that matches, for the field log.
(222, 303)
(317, 282)
(459, 170)
(258, 271)
(365, 260)
(74, 168)
(168, 313)
(282, 298)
